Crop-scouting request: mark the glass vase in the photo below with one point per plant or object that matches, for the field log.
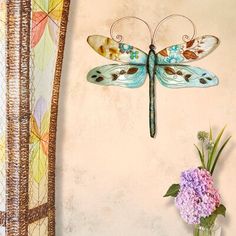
(202, 231)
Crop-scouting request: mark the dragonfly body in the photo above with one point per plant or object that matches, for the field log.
(151, 68)
(167, 66)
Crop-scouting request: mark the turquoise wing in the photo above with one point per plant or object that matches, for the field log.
(187, 52)
(115, 51)
(129, 76)
(184, 76)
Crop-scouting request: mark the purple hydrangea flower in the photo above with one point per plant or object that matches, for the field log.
(197, 196)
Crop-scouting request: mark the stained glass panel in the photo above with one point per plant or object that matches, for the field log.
(46, 17)
(39, 228)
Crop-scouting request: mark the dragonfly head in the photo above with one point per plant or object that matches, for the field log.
(152, 47)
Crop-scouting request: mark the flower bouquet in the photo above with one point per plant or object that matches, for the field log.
(196, 197)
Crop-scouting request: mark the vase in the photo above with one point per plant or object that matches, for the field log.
(202, 231)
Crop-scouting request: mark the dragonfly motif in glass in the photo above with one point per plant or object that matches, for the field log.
(168, 66)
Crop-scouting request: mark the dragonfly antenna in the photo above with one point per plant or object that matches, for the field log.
(185, 37)
(153, 35)
(118, 37)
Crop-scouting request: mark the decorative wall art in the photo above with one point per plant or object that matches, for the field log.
(32, 37)
(168, 65)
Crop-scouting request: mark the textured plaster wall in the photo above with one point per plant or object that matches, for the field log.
(110, 175)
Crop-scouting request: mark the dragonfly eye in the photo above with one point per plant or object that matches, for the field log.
(152, 47)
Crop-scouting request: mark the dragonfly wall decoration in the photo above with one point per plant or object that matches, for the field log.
(168, 65)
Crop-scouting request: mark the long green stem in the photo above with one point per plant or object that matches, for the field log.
(203, 154)
(213, 151)
(200, 155)
(218, 154)
(196, 231)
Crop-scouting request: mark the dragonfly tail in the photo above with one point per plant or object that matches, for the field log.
(152, 108)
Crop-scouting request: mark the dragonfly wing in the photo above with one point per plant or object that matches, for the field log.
(129, 76)
(187, 52)
(184, 76)
(115, 51)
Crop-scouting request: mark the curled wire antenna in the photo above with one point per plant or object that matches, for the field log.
(118, 37)
(153, 36)
(185, 37)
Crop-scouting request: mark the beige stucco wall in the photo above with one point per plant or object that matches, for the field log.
(110, 174)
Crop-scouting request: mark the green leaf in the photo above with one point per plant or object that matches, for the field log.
(207, 222)
(218, 154)
(201, 156)
(214, 149)
(172, 191)
(220, 210)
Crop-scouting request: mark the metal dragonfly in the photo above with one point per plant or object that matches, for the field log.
(166, 65)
